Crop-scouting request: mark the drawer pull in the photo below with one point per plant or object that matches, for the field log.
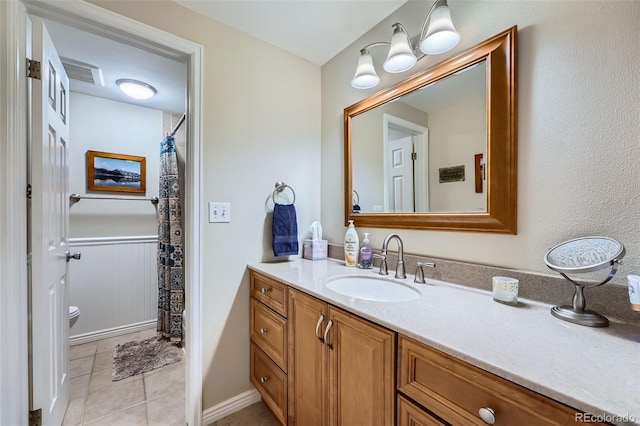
(263, 379)
(263, 330)
(326, 332)
(487, 415)
(318, 328)
(264, 290)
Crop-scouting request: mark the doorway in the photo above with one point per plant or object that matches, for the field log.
(406, 163)
(87, 16)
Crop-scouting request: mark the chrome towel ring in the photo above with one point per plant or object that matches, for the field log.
(281, 186)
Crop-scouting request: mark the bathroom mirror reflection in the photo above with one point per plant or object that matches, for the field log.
(454, 128)
(404, 149)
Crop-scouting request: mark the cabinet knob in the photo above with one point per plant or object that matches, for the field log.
(487, 415)
(263, 379)
(263, 330)
(264, 290)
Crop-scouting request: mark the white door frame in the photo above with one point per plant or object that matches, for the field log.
(14, 386)
(14, 400)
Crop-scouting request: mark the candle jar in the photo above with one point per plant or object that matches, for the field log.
(505, 290)
(634, 292)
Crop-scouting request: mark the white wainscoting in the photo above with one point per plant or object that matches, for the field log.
(115, 285)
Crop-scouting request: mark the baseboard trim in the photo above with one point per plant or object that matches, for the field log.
(111, 332)
(230, 406)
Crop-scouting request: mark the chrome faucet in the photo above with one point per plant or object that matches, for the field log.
(400, 265)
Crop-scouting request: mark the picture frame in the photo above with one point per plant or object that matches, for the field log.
(109, 171)
(478, 161)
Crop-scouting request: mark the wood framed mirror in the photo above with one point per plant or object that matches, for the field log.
(461, 179)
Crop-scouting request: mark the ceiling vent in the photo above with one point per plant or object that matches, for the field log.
(81, 71)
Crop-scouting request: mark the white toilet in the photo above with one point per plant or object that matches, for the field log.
(74, 314)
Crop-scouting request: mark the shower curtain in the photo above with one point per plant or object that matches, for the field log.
(170, 245)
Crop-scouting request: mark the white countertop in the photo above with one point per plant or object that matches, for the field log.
(596, 370)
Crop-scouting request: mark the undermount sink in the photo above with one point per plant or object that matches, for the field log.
(372, 288)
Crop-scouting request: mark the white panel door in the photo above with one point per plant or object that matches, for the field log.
(49, 232)
(400, 175)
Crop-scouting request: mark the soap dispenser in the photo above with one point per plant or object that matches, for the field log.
(351, 245)
(366, 254)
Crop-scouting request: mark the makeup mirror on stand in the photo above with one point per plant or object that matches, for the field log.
(579, 256)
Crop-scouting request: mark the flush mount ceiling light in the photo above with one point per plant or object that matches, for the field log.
(136, 89)
(437, 36)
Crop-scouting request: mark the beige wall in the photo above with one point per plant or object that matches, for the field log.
(261, 125)
(579, 128)
(456, 134)
(99, 124)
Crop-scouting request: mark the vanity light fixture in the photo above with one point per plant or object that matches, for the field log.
(438, 35)
(136, 89)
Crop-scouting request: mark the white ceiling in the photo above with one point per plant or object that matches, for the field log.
(316, 30)
(118, 60)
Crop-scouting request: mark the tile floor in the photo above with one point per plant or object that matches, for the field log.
(153, 398)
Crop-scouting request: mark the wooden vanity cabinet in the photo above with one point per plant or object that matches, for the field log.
(318, 365)
(341, 367)
(268, 348)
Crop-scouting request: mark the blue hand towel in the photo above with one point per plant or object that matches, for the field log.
(285, 230)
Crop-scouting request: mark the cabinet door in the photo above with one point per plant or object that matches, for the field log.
(307, 360)
(361, 371)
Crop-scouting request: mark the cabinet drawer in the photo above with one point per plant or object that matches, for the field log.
(411, 415)
(270, 292)
(456, 391)
(269, 332)
(270, 381)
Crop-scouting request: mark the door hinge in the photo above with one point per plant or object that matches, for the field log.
(414, 155)
(35, 417)
(29, 191)
(33, 69)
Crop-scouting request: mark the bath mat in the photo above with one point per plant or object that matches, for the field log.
(140, 356)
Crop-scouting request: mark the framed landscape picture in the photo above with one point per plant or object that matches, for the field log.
(108, 171)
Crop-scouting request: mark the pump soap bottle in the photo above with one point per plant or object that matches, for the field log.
(351, 245)
(366, 254)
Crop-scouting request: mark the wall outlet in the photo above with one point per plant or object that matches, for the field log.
(219, 212)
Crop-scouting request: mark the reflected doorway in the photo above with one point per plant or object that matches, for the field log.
(406, 161)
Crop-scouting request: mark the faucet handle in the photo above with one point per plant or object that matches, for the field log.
(420, 272)
(383, 263)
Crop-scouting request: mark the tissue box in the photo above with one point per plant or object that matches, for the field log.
(314, 250)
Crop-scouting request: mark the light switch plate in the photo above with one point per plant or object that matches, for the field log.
(219, 212)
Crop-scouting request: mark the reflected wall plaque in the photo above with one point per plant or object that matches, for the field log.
(451, 174)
